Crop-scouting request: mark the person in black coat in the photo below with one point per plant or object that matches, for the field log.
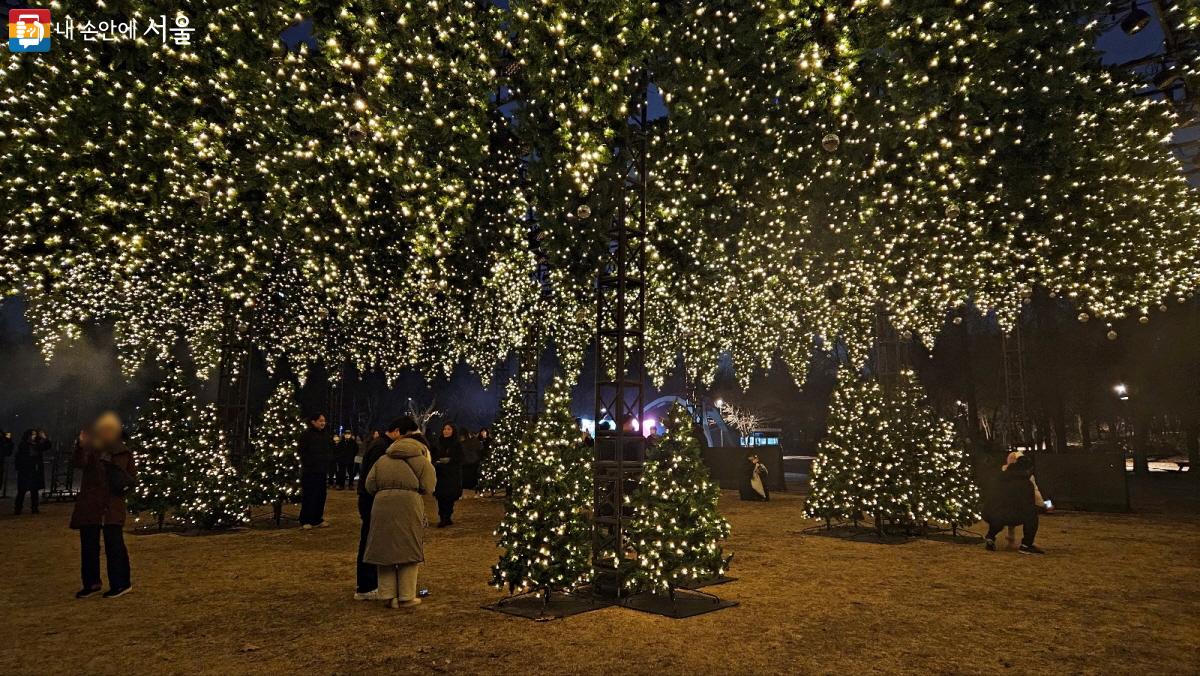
(316, 455)
(31, 469)
(470, 462)
(447, 462)
(6, 449)
(752, 487)
(344, 452)
(1012, 503)
(367, 582)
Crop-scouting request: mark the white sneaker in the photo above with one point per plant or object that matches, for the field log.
(323, 524)
(372, 595)
(307, 526)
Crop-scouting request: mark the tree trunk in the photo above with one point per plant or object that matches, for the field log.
(277, 511)
(1141, 436)
(1060, 421)
(1193, 449)
(969, 387)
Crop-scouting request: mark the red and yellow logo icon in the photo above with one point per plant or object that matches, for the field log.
(28, 30)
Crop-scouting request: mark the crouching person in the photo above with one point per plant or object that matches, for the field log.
(1014, 503)
(398, 481)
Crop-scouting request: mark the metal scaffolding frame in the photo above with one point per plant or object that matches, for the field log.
(620, 448)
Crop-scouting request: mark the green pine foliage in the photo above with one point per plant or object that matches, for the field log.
(159, 445)
(946, 489)
(272, 473)
(212, 495)
(545, 534)
(888, 455)
(676, 528)
(507, 434)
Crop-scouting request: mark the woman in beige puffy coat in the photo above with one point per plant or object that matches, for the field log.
(398, 481)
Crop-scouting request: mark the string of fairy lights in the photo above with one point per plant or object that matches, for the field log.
(889, 456)
(818, 162)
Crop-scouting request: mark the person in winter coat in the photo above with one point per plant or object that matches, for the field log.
(316, 455)
(752, 485)
(6, 449)
(108, 474)
(447, 459)
(1013, 502)
(367, 574)
(344, 454)
(470, 461)
(398, 480)
(31, 470)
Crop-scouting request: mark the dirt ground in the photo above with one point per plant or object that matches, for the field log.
(1116, 594)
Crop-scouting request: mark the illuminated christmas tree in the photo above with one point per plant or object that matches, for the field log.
(160, 444)
(213, 496)
(887, 456)
(272, 473)
(946, 492)
(546, 531)
(676, 528)
(508, 433)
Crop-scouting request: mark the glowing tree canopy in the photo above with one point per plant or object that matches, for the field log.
(290, 194)
(676, 528)
(545, 535)
(818, 162)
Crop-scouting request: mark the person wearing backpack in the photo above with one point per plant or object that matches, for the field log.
(108, 476)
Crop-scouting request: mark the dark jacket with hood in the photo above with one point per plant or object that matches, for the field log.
(1011, 499)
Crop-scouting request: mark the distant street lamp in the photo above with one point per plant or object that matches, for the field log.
(1122, 391)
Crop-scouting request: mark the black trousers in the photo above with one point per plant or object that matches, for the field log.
(471, 476)
(115, 556)
(1028, 530)
(446, 506)
(368, 573)
(19, 501)
(345, 473)
(312, 499)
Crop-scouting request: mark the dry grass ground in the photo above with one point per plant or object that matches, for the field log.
(1116, 594)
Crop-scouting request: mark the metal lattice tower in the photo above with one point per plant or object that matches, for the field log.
(1017, 429)
(620, 448)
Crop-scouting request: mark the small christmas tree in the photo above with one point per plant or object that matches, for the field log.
(546, 529)
(888, 456)
(272, 474)
(507, 434)
(840, 478)
(213, 496)
(946, 489)
(676, 528)
(159, 444)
